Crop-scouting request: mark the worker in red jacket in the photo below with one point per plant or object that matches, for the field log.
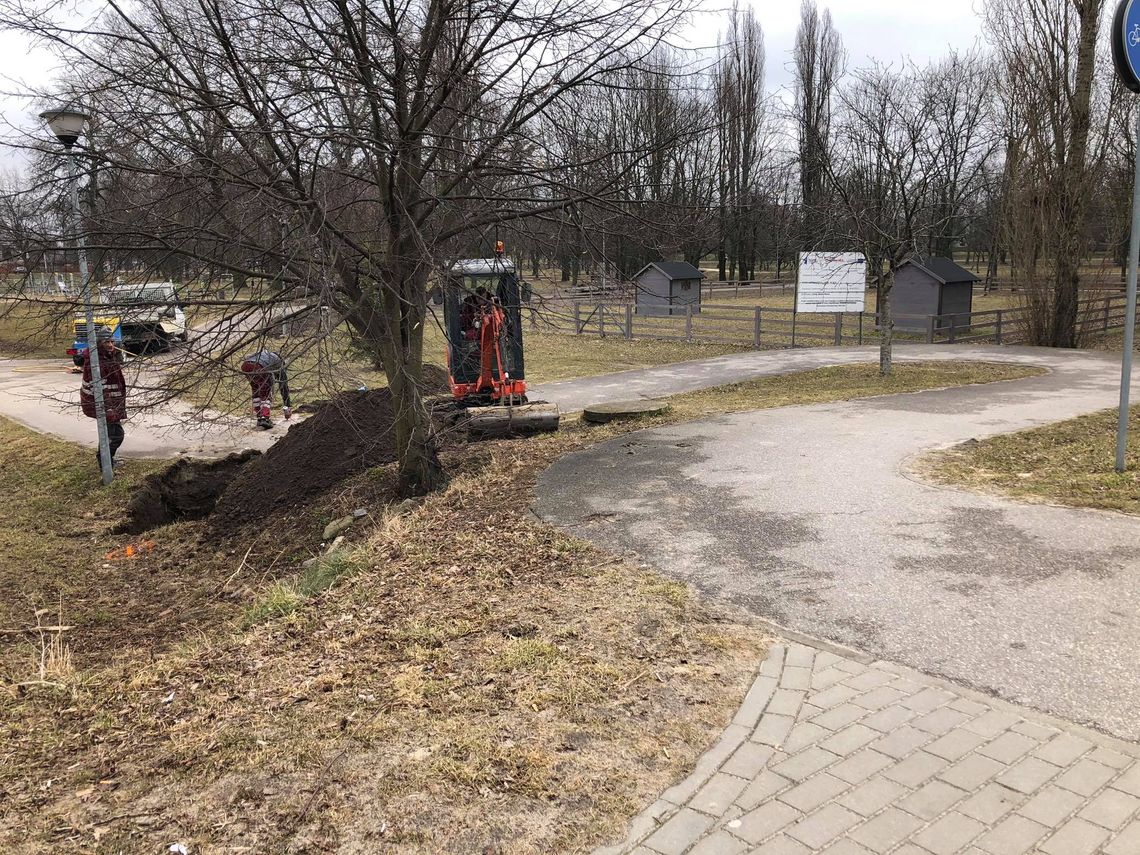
(263, 370)
(114, 389)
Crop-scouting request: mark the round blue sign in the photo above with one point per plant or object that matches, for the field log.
(1126, 43)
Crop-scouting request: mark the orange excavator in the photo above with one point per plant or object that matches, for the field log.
(482, 314)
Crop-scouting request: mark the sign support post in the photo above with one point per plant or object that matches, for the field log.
(1130, 312)
(1126, 58)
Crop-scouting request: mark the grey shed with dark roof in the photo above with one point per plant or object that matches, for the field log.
(926, 286)
(667, 288)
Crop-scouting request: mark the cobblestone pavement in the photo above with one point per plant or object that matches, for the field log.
(830, 754)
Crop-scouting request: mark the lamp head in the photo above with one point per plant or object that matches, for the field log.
(67, 124)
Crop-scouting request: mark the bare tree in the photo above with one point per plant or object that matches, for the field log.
(340, 151)
(1048, 52)
(819, 59)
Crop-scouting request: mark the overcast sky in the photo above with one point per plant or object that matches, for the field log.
(883, 29)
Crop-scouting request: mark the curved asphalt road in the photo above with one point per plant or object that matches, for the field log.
(805, 515)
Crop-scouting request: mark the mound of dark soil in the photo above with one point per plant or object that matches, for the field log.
(186, 490)
(435, 380)
(350, 433)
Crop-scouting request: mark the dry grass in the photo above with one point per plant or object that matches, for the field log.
(1068, 463)
(461, 678)
(34, 330)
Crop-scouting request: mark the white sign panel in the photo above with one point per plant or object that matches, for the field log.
(831, 282)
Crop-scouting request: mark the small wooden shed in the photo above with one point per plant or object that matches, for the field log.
(667, 288)
(932, 285)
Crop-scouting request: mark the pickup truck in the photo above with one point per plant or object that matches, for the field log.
(143, 319)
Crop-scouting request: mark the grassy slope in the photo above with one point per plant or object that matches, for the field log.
(1068, 463)
(461, 676)
(29, 330)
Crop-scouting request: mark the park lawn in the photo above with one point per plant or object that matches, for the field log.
(458, 678)
(34, 330)
(1067, 463)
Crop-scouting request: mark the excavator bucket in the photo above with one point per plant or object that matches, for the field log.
(518, 420)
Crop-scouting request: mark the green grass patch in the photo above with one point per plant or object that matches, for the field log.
(284, 598)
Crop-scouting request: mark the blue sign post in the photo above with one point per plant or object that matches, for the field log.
(1126, 57)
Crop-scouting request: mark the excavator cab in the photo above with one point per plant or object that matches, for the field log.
(482, 313)
(482, 316)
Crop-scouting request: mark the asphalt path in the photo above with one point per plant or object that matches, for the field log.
(811, 516)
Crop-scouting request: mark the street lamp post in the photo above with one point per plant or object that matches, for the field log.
(67, 125)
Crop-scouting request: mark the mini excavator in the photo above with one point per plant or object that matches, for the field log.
(482, 315)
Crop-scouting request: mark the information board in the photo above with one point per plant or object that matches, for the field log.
(831, 282)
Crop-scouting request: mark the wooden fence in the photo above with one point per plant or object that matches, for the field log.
(763, 327)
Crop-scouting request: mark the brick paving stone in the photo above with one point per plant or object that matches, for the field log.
(1038, 732)
(890, 718)
(850, 739)
(971, 708)
(823, 826)
(1014, 835)
(802, 735)
(869, 680)
(773, 663)
(927, 700)
(860, 766)
(1076, 837)
(681, 831)
(795, 678)
(955, 745)
(949, 834)
(720, 792)
(1127, 843)
(971, 772)
(814, 792)
(768, 819)
(1008, 747)
(906, 685)
(839, 717)
(719, 843)
(1085, 777)
(799, 656)
(992, 723)
(772, 729)
(940, 721)
(1051, 806)
(878, 698)
(888, 829)
(915, 769)
(902, 741)
(752, 707)
(821, 680)
(807, 762)
(844, 846)
(782, 845)
(833, 696)
(1108, 757)
(990, 803)
(1111, 809)
(1129, 782)
(1063, 750)
(873, 795)
(785, 702)
(748, 760)
(1028, 775)
(932, 800)
(762, 788)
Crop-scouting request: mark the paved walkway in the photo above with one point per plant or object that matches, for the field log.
(804, 515)
(836, 755)
(43, 394)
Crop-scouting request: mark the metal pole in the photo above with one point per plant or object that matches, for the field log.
(1130, 312)
(92, 338)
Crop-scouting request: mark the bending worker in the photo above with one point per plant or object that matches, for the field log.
(114, 390)
(263, 369)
